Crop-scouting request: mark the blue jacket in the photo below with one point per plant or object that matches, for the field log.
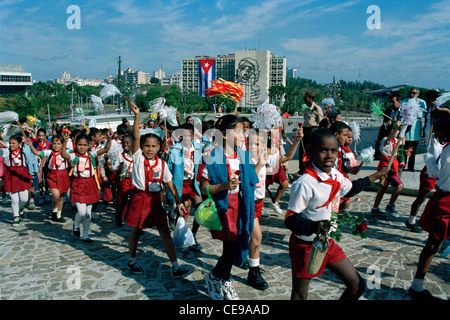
(218, 173)
(176, 167)
(31, 160)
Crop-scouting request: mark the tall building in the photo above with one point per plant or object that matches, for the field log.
(137, 77)
(14, 79)
(255, 70)
(291, 73)
(159, 74)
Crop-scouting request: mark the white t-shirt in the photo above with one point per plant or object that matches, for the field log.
(260, 187)
(387, 150)
(138, 173)
(189, 165)
(127, 162)
(17, 161)
(61, 163)
(443, 174)
(273, 163)
(83, 165)
(307, 194)
(234, 167)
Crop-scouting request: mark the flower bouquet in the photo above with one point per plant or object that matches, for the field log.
(357, 225)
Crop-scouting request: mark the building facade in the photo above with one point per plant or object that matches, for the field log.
(138, 77)
(14, 79)
(255, 70)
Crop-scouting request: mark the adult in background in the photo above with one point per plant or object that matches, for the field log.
(312, 115)
(391, 115)
(414, 132)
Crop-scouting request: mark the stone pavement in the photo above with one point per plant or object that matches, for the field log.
(42, 260)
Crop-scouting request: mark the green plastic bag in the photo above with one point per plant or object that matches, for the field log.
(207, 214)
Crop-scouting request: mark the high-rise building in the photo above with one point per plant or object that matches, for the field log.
(255, 70)
(137, 77)
(291, 73)
(14, 79)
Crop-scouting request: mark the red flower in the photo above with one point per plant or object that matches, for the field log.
(58, 115)
(361, 227)
(300, 124)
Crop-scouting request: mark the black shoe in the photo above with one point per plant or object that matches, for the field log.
(54, 218)
(87, 240)
(255, 279)
(135, 268)
(413, 227)
(421, 295)
(76, 231)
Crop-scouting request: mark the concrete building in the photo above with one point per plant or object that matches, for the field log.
(137, 77)
(174, 79)
(291, 73)
(14, 79)
(255, 70)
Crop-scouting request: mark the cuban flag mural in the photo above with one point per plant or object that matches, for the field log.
(207, 73)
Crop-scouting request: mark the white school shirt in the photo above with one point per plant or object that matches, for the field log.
(189, 165)
(234, 166)
(60, 161)
(4, 152)
(307, 194)
(127, 164)
(273, 162)
(138, 173)
(443, 173)
(260, 187)
(83, 163)
(387, 150)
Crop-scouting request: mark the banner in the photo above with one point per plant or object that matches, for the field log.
(207, 73)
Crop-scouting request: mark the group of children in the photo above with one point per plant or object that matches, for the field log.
(231, 164)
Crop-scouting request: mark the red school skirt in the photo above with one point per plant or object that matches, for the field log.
(144, 210)
(435, 218)
(426, 182)
(229, 220)
(84, 190)
(58, 179)
(259, 204)
(17, 179)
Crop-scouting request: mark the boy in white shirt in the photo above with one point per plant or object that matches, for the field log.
(313, 197)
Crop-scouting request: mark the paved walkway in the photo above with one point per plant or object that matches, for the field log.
(42, 260)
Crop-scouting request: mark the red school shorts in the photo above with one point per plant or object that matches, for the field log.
(188, 190)
(259, 204)
(299, 253)
(279, 177)
(435, 218)
(426, 182)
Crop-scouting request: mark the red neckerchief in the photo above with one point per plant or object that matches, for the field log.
(86, 156)
(42, 145)
(16, 154)
(234, 156)
(346, 149)
(335, 185)
(125, 156)
(149, 168)
(54, 157)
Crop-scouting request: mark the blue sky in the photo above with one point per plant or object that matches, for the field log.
(319, 38)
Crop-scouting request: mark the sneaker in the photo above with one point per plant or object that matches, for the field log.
(54, 218)
(182, 271)
(31, 205)
(275, 206)
(265, 214)
(214, 287)
(390, 209)
(228, 291)
(87, 240)
(135, 268)
(421, 295)
(196, 246)
(413, 227)
(16, 222)
(378, 212)
(255, 279)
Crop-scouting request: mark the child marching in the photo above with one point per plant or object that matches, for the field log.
(84, 188)
(57, 176)
(145, 210)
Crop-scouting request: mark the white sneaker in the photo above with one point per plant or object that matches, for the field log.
(214, 287)
(276, 207)
(228, 291)
(265, 214)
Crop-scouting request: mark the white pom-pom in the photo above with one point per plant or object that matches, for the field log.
(367, 155)
(356, 131)
(266, 117)
(109, 90)
(443, 98)
(409, 111)
(8, 116)
(97, 101)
